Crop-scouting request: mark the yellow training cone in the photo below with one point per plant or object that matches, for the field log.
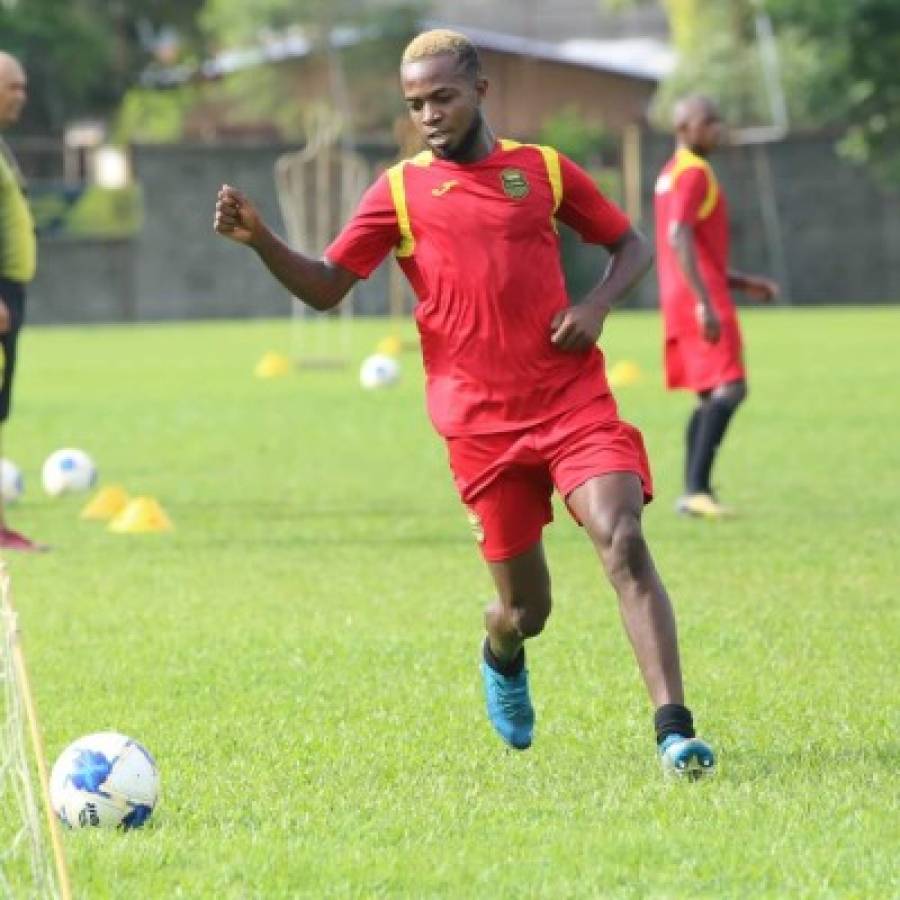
(389, 346)
(142, 515)
(106, 503)
(623, 374)
(272, 365)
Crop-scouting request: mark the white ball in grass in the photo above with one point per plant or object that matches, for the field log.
(68, 470)
(379, 371)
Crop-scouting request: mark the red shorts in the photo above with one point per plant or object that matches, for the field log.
(697, 365)
(506, 479)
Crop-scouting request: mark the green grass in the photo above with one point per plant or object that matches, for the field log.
(300, 654)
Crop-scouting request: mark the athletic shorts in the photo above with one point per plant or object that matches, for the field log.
(506, 479)
(12, 293)
(697, 365)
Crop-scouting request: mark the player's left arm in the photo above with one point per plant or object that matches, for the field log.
(765, 290)
(598, 221)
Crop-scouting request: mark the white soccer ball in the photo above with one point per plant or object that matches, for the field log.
(378, 371)
(68, 470)
(12, 485)
(104, 780)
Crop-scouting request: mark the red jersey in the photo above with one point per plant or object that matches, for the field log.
(479, 245)
(687, 191)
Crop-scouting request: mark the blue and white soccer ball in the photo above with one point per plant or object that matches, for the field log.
(378, 371)
(12, 485)
(104, 780)
(68, 470)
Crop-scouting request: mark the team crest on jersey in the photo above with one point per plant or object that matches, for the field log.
(515, 184)
(475, 524)
(663, 183)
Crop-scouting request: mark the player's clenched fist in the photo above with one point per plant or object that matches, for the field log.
(236, 217)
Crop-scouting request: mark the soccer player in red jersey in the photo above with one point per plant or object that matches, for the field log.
(703, 347)
(515, 381)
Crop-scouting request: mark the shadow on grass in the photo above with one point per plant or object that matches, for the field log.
(749, 764)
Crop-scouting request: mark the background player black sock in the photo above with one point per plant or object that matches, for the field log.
(690, 443)
(506, 669)
(714, 419)
(673, 718)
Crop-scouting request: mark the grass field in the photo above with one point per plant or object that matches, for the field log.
(301, 653)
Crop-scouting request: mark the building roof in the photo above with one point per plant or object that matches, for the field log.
(647, 58)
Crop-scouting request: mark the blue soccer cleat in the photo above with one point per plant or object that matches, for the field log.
(686, 757)
(509, 706)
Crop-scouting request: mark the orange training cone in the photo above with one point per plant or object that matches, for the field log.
(141, 516)
(106, 503)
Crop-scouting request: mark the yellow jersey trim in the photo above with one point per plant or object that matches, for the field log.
(407, 243)
(554, 171)
(686, 159)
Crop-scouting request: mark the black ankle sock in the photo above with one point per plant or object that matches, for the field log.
(690, 444)
(711, 428)
(506, 669)
(673, 718)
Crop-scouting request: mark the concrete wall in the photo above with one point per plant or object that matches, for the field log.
(184, 270)
(840, 238)
(83, 281)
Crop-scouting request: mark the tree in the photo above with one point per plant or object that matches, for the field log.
(83, 55)
(838, 62)
(860, 41)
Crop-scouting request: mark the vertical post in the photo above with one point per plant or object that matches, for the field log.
(631, 171)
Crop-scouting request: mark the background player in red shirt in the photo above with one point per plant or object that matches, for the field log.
(515, 382)
(703, 347)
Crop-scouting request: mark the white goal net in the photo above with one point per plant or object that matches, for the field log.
(26, 860)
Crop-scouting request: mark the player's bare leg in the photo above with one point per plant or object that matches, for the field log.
(519, 612)
(523, 601)
(610, 508)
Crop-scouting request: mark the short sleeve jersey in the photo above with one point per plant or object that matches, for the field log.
(479, 245)
(688, 192)
(18, 246)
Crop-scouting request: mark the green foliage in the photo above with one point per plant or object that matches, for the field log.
(66, 56)
(107, 212)
(152, 116)
(94, 211)
(584, 141)
(300, 654)
(232, 23)
(838, 62)
(82, 56)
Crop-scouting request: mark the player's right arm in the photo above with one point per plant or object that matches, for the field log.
(681, 239)
(319, 283)
(689, 193)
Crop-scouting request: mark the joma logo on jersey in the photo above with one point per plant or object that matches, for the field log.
(515, 184)
(442, 189)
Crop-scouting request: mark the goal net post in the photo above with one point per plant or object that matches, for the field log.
(318, 188)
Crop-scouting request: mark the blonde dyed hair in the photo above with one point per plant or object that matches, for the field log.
(443, 41)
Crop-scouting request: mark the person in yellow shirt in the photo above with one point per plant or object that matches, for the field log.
(18, 255)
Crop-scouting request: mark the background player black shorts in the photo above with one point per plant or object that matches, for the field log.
(13, 295)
